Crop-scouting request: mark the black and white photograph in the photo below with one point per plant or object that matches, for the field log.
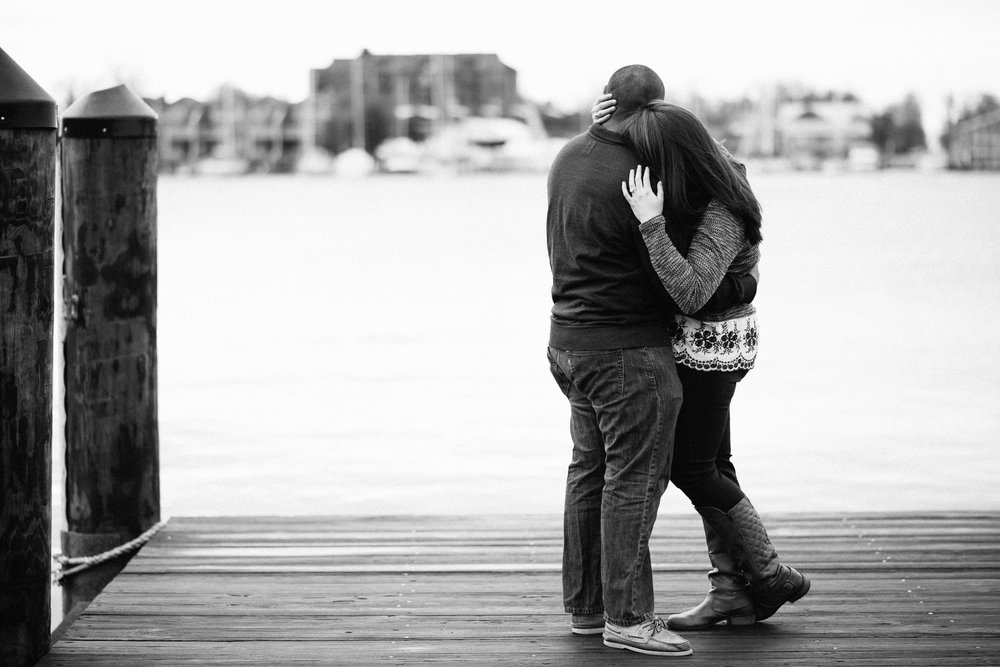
(521, 333)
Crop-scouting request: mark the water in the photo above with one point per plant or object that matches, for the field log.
(378, 346)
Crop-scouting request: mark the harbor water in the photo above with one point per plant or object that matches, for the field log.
(377, 346)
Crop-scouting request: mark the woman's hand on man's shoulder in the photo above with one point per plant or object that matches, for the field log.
(645, 198)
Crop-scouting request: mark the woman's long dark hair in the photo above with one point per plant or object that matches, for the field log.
(693, 168)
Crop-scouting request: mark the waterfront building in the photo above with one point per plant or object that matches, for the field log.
(974, 143)
(274, 135)
(231, 133)
(353, 103)
(803, 132)
(809, 132)
(361, 102)
(183, 133)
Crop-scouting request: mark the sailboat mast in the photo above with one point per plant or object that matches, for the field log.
(358, 101)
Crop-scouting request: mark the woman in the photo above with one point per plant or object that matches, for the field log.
(708, 196)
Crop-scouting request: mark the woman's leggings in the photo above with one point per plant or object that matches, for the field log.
(702, 466)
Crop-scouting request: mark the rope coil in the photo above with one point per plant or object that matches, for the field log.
(82, 563)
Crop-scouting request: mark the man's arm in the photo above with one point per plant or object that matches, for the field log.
(733, 291)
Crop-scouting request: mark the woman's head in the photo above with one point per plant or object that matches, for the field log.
(690, 164)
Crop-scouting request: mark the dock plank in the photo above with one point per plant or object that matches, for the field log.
(893, 589)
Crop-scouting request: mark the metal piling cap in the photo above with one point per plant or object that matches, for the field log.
(112, 112)
(23, 103)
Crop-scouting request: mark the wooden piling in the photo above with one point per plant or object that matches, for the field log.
(109, 243)
(27, 219)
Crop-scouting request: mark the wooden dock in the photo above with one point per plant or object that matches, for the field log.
(913, 589)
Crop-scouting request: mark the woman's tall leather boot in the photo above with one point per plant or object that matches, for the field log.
(728, 600)
(771, 583)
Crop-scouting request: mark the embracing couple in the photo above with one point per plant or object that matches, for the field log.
(653, 236)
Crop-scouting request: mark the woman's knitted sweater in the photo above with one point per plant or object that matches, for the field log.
(708, 341)
(718, 247)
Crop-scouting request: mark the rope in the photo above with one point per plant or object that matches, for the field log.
(85, 562)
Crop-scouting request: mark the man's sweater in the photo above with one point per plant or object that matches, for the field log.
(605, 293)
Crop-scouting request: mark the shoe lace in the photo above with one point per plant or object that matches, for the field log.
(655, 625)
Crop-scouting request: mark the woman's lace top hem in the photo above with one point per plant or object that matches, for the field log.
(726, 345)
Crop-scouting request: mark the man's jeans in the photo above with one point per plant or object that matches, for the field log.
(624, 406)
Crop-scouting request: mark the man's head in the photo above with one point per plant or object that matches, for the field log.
(633, 86)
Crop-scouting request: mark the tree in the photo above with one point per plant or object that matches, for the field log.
(910, 136)
(983, 104)
(899, 129)
(884, 134)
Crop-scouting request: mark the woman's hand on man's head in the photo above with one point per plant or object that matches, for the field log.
(603, 107)
(645, 198)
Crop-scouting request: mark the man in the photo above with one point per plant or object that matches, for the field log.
(610, 353)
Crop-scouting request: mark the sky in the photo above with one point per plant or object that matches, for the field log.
(563, 51)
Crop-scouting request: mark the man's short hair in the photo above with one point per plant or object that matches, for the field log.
(634, 86)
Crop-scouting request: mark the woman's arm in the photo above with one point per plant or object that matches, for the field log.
(689, 281)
